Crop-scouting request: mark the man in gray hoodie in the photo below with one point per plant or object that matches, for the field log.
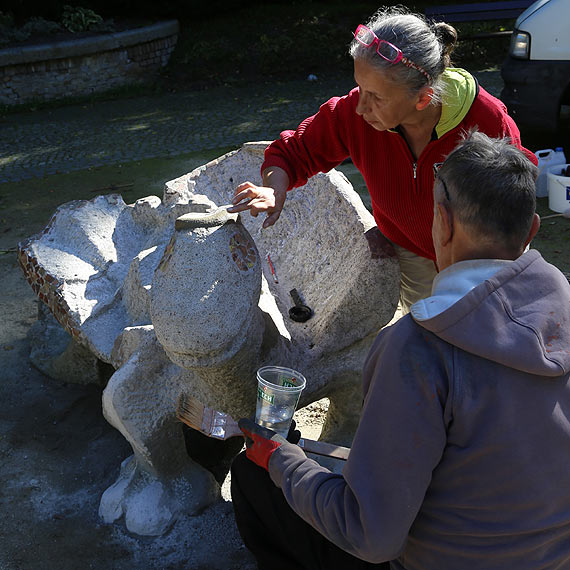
(461, 459)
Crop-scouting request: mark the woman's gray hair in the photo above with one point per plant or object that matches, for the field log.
(492, 189)
(428, 46)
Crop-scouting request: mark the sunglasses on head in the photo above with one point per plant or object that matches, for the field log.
(366, 37)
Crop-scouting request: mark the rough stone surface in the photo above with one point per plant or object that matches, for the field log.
(120, 277)
(58, 356)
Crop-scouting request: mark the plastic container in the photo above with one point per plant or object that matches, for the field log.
(546, 159)
(278, 392)
(558, 188)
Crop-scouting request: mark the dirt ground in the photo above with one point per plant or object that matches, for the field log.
(57, 456)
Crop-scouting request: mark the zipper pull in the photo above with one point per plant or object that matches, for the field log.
(415, 167)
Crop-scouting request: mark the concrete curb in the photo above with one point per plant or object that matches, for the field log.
(86, 46)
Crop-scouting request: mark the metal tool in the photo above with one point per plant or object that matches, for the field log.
(300, 312)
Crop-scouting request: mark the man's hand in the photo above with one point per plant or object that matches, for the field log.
(260, 442)
(379, 245)
(259, 199)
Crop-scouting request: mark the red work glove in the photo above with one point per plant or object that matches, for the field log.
(260, 442)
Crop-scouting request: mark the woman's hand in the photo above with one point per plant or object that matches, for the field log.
(258, 199)
(267, 198)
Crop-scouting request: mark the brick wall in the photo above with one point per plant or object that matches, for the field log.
(101, 63)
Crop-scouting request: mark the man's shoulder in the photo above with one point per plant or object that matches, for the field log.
(405, 350)
(405, 333)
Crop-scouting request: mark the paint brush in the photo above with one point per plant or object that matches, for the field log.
(219, 425)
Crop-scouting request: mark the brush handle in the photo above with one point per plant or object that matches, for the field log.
(324, 448)
(309, 445)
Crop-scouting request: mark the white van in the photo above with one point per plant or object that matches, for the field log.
(536, 73)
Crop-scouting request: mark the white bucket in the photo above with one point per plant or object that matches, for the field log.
(558, 188)
(547, 158)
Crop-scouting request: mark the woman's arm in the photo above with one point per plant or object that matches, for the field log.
(318, 144)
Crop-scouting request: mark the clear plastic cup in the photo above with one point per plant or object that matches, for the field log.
(278, 392)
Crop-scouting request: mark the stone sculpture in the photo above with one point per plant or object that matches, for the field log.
(178, 296)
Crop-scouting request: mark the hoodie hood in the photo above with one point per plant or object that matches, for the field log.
(518, 315)
(458, 95)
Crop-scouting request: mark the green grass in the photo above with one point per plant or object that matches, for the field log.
(27, 206)
(553, 238)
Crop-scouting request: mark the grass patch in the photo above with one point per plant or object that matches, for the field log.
(27, 206)
(553, 238)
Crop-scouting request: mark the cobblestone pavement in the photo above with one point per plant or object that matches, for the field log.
(51, 141)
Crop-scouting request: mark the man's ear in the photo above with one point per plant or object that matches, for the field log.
(446, 224)
(424, 98)
(533, 229)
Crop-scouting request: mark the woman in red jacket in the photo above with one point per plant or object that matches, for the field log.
(408, 111)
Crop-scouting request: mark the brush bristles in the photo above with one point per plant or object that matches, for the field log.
(190, 411)
(206, 420)
(194, 414)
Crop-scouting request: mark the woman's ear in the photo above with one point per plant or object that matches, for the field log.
(424, 98)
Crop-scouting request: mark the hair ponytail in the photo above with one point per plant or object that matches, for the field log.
(447, 36)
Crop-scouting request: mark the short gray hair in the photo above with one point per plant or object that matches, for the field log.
(427, 45)
(492, 188)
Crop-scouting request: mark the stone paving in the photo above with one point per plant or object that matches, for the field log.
(39, 143)
(71, 138)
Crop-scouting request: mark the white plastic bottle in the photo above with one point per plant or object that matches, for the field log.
(546, 159)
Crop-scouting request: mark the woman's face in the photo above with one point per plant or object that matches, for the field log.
(382, 103)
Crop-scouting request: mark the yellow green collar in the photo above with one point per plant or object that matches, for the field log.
(458, 95)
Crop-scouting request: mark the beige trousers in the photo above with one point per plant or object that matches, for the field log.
(417, 275)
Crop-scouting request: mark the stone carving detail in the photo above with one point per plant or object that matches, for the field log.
(177, 295)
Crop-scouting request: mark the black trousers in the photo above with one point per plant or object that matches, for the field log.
(278, 538)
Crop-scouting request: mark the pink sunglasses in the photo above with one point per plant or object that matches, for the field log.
(385, 50)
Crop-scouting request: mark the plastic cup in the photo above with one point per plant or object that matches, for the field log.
(278, 392)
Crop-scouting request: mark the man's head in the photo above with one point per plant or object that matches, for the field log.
(484, 202)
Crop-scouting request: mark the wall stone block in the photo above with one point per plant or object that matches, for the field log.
(85, 66)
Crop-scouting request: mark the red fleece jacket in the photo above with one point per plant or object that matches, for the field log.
(401, 188)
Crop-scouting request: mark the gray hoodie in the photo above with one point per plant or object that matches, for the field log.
(462, 456)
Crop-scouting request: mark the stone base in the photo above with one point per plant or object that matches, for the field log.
(75, 68)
